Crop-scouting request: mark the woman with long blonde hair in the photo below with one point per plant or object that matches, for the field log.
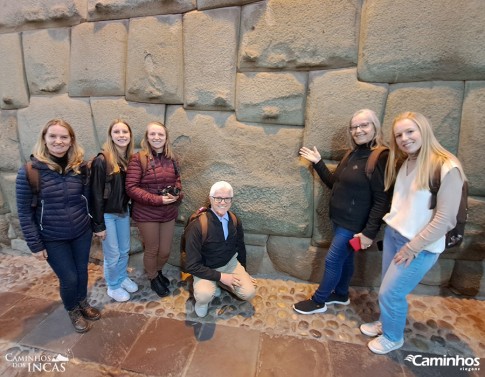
(55, 218)
(111, 215)
(415, 234)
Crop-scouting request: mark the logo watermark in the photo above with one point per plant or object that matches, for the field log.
(38, 363)
(463, 363)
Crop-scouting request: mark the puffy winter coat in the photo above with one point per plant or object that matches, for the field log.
(144, 188)
(61, 212)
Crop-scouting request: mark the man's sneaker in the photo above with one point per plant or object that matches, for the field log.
(309, 307)
(129, 285)
(201, 309)
(371, 328)
(337, 299)
(381, 345)
(118, 294)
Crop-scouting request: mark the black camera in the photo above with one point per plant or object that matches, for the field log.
(169, 190)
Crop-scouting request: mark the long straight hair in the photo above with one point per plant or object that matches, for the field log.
(431, 155)
(167, 148)
(114, 159)
(75, 153)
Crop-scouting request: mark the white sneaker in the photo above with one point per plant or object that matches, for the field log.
(129, 285)
(118, 294)
(201, 309)
(381, 345)
(371, 328)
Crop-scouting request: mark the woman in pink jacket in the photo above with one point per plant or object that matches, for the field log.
(153, 184)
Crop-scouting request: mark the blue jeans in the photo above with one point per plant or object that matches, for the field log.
(69, 260)
(116, 247)
(339, 266)
(398, 281)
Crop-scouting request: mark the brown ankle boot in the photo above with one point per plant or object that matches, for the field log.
(78, 321)
(88, 311)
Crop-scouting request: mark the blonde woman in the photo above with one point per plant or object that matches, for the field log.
(415, 235)
(153, 184)
(111, 216)
(55, 220)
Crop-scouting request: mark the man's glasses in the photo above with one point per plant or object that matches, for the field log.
(220, 200)
(362, 126)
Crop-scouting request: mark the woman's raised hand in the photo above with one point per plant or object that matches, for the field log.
(310, 155)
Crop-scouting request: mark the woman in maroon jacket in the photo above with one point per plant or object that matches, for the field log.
(153, 184)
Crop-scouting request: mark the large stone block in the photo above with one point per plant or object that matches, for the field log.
(137, 115)
(472, 136)
(469, 278)
(294, 256)
(9, 141)
(299, 34)
(155, 69)
(98, 59)
(334, 96)
(440, 102)
(46, 54)
(440, 273)
(367, 270)
(35, 14)
(271, 97)
(118, 9)
(210, 56)
(208, 4)
(75, 111)
(273, 192)
(7, 185)
(13, 87)
(322, 225)
(402, 41)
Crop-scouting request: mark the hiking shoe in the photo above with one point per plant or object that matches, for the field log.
(129, 285)
(381, 345)
(163, 279)
(371, 328)
(337, 299)
(201, 309)
(88, 311)
(78, 321)
(118, 294)
(309, 307)
(160, 289)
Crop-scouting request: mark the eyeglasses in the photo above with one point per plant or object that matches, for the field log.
(220, 200)
(362, 126)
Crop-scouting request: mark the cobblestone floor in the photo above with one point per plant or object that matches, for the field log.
(437, 325)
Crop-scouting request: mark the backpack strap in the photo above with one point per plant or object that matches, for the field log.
(434, 186)
(33, 177)
(371, 163)
(204, 223)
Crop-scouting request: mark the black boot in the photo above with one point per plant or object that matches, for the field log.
(88, 311)
(78, 321)
(164, 280)
(159, 288)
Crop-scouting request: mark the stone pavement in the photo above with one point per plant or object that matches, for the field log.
(149, 336)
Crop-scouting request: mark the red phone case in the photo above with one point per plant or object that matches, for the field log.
(355, 243)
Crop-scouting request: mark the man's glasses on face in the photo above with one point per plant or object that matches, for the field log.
(362, 126)
(220, 200)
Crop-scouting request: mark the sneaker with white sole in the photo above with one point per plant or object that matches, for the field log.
(337, 299)
(129, 285)
(118, 294)
(201, 309)
(309, 307)
(381, 345)
(371, 328)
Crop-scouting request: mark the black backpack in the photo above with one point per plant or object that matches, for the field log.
(454, 237)
(200, 214)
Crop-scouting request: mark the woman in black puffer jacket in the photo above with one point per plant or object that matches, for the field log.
(55, 220)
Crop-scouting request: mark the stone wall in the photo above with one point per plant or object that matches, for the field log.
(242, 85)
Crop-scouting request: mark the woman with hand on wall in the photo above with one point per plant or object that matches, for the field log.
(153, 183)
(357, 205)
(111, 216)
(52, 201)
(415, 235)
